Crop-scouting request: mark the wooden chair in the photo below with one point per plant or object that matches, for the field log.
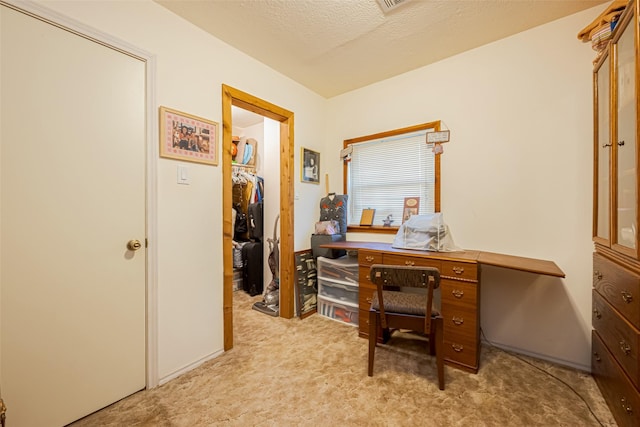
(395, 308)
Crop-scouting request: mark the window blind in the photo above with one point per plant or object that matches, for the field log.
(383, 172)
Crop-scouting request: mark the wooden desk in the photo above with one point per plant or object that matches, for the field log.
(460, 289)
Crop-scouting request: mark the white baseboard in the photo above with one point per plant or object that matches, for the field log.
(189, 367)
(545, 357)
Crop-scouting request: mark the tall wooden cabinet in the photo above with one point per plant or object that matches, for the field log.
(615, 360)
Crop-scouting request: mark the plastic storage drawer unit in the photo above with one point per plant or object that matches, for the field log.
(336, 310)
(344, 269)
(338, 291)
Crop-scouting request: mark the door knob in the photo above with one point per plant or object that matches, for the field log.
(134, 245)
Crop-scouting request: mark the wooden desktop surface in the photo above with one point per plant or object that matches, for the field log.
(530, 265)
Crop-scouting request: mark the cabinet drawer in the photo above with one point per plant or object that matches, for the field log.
(365, 282)
(623, 399)
(459, 270)
(461, 352)
(459, 294)
(363, 319)
(459, 322)
(366, 258)
(620, 337)
(365, 296)
(619, 286)
(409, 260)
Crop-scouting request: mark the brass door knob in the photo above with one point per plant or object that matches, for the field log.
(134, 245)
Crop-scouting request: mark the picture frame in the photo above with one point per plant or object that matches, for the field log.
(411, 207)
(187, 137)
(367, 216)
(306, 282)
(310, 166)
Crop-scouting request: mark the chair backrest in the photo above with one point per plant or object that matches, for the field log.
(401, 276)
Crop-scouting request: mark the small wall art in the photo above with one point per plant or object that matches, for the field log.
(187, 137)
(310, 167)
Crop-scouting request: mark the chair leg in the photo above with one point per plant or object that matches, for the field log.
(373, 338)
(439, 344)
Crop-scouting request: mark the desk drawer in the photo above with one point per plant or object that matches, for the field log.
(363, 275)
(460, 323)
(620, 337)
(392, 259)
(619, 286)
(461, 352)
(460, 294)
(623, 399)
(367, 258)
(459, 270)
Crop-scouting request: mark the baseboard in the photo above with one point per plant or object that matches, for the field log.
(547, 358)
(189, 367)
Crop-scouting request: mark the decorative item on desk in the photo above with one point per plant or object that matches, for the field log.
(425, 232)
(310, 168)
(387, 222)
(367, 216)
(411, 207)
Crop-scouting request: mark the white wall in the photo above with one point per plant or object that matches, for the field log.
(191, 67)
(516, 176)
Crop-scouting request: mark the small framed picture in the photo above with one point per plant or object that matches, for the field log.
(187, 137)
(367, 216)
(310, 167)
(411, 207)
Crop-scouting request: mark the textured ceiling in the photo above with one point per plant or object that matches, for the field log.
(335, 46)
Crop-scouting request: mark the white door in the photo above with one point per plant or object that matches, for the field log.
(72, 187)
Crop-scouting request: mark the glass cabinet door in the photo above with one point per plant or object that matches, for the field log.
(602, 151)
(626, 196)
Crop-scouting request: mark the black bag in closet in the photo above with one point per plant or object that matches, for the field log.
(253, 266)
(255, 221)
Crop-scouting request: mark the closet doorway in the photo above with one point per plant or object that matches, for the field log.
(234, 97)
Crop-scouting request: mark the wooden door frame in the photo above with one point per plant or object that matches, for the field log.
(231, 96)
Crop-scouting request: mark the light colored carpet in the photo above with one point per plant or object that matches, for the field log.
(312, 372)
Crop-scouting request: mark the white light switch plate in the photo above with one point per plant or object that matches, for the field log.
(183, 175)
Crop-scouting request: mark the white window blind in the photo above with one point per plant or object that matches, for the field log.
(384, 171)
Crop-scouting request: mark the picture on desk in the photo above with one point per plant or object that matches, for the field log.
(411, 207)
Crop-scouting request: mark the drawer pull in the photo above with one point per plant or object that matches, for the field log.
(627, 297)
(457, 293)
(457, 347)
(597, 275)
(368, 277)
(410, 263)
(596, 357)
(369, 258)
(458, 270)
(626, 348)
(628, 409)
(597, 314)
(457, 320)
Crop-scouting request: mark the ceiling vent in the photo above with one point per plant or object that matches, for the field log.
(388, 5)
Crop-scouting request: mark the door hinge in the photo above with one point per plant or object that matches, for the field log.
(146, 243)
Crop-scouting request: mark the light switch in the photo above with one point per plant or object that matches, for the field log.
(183, 175)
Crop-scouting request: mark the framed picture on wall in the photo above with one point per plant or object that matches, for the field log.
(187, 137)
(310, 167)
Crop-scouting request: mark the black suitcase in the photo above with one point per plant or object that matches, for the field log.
(255, 221)
(252, 269)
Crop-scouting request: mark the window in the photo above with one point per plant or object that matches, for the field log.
(388, 167)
